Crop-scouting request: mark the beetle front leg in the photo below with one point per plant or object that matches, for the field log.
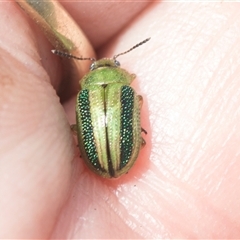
(133, 76)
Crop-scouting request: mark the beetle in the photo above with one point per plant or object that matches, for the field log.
(108, 117)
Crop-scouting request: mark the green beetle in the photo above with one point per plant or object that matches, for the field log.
(108, 117)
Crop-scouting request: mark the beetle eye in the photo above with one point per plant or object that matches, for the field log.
(93, 66)
(117, 63)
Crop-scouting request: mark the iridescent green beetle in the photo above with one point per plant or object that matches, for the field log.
(108, 117)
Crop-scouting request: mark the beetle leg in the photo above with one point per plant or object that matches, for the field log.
(143, 130)
(133, 76)
(140, 100)
(74, 128)
(143, 142)
(74, 131)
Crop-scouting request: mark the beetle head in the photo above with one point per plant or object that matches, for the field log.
(104, 62)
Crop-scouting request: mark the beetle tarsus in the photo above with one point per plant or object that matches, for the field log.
(143, 130)
(143, 142)
(74, 129)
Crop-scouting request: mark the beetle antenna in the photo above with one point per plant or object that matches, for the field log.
(137, 45)
(68, 55)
